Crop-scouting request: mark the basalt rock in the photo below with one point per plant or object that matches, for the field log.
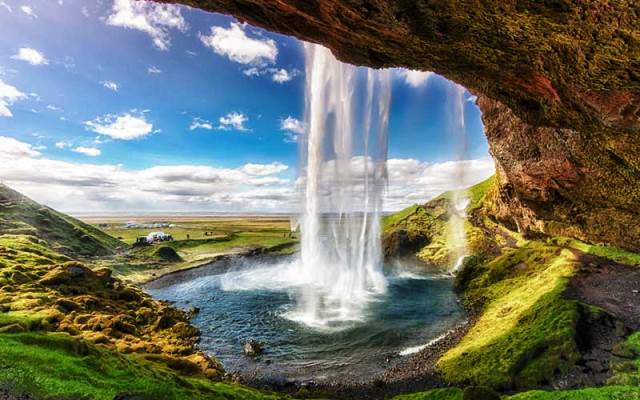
(559, 87)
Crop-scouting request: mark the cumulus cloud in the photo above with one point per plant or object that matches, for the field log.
(32, 56)
(110, 85)
(292, 128)
(234, 43)
(10, 147)
(28, 10)
(8, 95)
(87, 151)
(126, 126)
(91, 187)
(414, 78)
(278, 75)
(281, 76)
(154, 70)
(199, 123)
(233, 121)
(264, 169)
(61, 145)
(149, 17)
(251, 187)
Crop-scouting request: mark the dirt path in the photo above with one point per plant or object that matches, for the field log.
(609, 285)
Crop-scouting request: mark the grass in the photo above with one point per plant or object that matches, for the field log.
(209, 237)
(20, 215)
(54, 365)
(435, 394)
(603, 393)
(525, 330)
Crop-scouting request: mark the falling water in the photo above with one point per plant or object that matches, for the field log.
(341, 249)
(460, 199)
(344, 175)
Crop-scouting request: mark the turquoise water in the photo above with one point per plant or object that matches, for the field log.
(417, 308)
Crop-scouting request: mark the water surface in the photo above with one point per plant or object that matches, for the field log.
(416, 308)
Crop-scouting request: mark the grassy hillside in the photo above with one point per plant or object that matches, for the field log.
(526, 332)
(424, 230)
(20, 215)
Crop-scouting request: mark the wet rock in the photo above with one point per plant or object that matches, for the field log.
(253, 348)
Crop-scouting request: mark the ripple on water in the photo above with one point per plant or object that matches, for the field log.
(416, 309)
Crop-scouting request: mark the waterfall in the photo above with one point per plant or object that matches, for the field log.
(344, 179)
(459, 198)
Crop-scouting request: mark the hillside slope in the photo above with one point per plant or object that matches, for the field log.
(19, 215)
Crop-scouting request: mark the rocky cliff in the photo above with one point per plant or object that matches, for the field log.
(559, 87)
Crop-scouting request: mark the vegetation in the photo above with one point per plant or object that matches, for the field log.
(20, 215)
(208, 238)
(55, 365)
(525, 331)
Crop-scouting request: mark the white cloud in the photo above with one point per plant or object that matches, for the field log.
(238, 47)
(199, 123)
(110, 85)
(264, 169)
(87, 151)
(281, 76)
(414, 78)
(149, 17)
(32, 56)
(154, 70)
(233, 121)
(53, 108)
(124, 126)
(28, 10)
(6, 6)
(8, 95)
(10, 148)
(293, 128)
(278, 75)
(251, 187)
(61, 145)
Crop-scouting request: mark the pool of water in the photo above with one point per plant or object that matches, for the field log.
(418, 307)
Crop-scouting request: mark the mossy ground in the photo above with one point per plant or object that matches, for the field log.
(20, 215)
(525, 331)
(55, 365)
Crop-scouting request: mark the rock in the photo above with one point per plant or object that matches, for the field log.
(253, 348)
(563, 130)
(67, 305)
(623, 351)
(13, 328)
(65, 274)
(193, 311)
(479, 393)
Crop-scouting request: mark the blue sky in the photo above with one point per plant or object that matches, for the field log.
(129, 106)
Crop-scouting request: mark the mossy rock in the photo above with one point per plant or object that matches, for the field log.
(480, 393)
(167, 254)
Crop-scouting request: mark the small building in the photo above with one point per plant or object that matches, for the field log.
(154, 237)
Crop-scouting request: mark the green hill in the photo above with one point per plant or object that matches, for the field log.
(19, 215)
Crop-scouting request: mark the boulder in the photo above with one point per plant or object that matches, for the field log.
(253, 348)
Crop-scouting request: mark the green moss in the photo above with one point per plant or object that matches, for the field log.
(55, 365)
(525, 330)
(435, 394)
(478, 192)
(604, 393)
(21, 215)
(613, 253)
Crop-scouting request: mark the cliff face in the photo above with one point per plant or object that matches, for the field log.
(559, 82)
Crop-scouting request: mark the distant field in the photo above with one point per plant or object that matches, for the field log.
(197, 239)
